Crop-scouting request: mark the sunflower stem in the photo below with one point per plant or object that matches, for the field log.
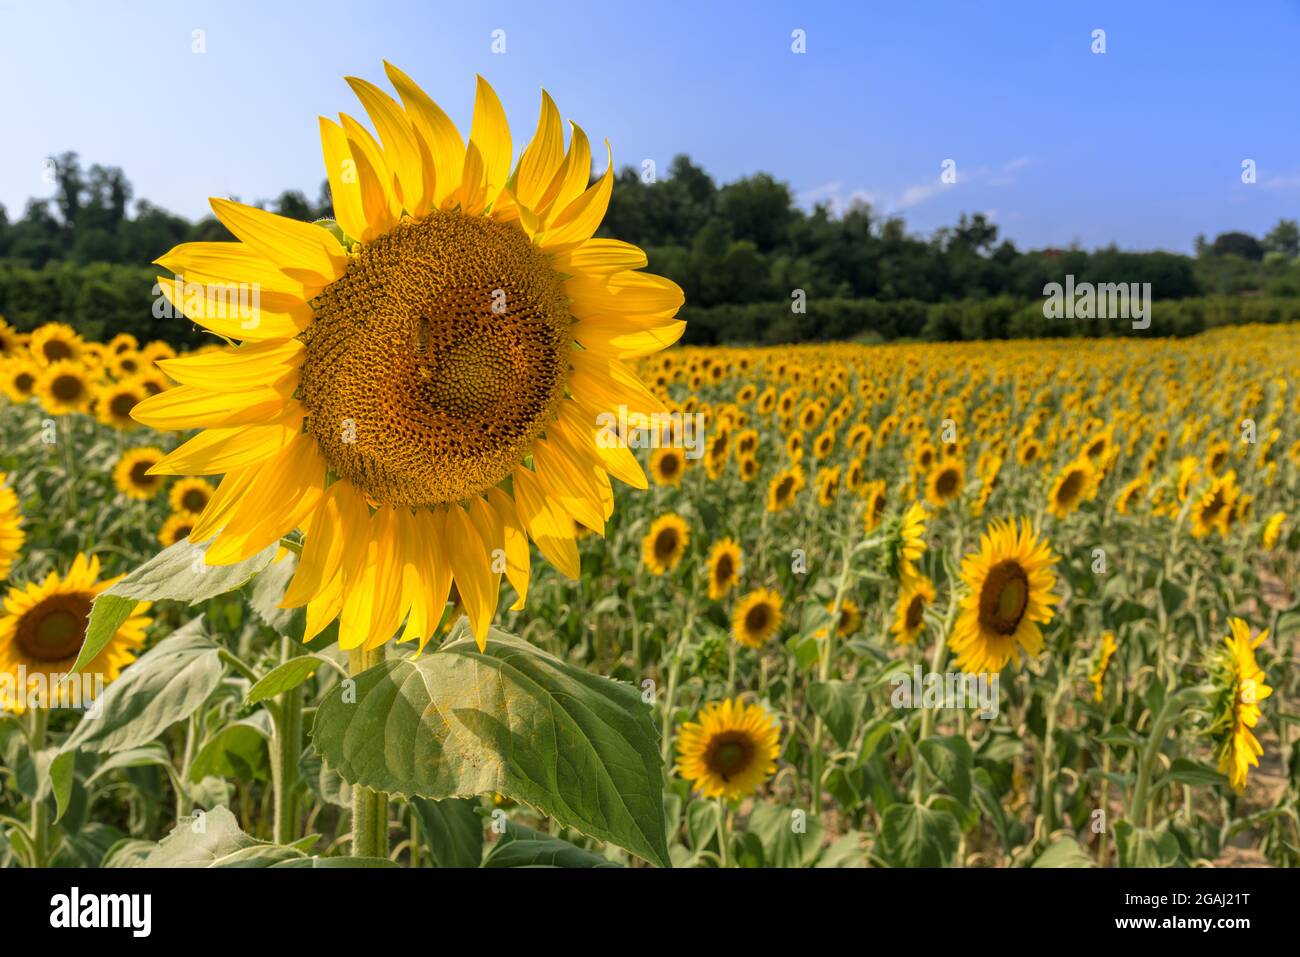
(288, 746)
(823, 675)
(369, 807)
(40, 824)
(724, 837)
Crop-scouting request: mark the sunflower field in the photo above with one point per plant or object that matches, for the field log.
(1002, 604)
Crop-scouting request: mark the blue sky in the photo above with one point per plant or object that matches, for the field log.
(1141, 145)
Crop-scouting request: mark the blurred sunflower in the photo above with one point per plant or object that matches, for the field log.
(1098, 677)
(133, 476)
(18, 378)
(756, 618)
(43, 627)
(1273, 530)
(1240, 684)
(1009, 582)
(1077, 483)
(63, 387)
(828, 486)
(1213, 510)
(783, 488)
(190, 495)
(176, 528)
(916, 595)
(667, 466)
(873, 494)
(945, 481)
(725, 563)
(55, 342)
(1130, 494)
(443, 353)
(729, 750)
(850, 618)
(12, 535)
(114, 402)
(905, 543)
(665, 544)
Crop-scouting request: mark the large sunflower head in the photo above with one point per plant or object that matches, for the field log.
(133, 473)
(1241, 687)
(725, 563)
(11, 528)
(44, 625)
(916, 595)
(729, 750)
(446, 351)
(756, 618)
(665, 544)
(1009, 582)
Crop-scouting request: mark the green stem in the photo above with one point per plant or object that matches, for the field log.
(938, 660)
(369, 807)
(40, 825)
(724, 836)
(288, 746)
(823, 675)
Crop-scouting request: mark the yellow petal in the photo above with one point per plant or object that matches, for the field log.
(442, 139)
(401, 150)
(601, 257)
(345, 183)
(615, 340)
(542, 157)
(518, 559)
(571, 179)
(301, 251)
(378, 183)
(471, 569)
(229, 263)
(581, 218)
(323, 545)
(548, 527)
(237, 370)
(491, 134)
(214, 451)
(189, 407)
(237, 313)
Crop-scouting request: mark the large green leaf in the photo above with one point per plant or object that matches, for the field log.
(240, 750)
(164, 685)
(176, 573)
(521, 846)
(791, 837)
(839, 704)
(913, 835)
(453, 830)
(949, 757)
(214, 839)
(1064, 852)
(511, 719)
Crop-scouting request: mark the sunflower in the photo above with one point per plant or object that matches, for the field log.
(874, 495)
(1129, 494)
(725, 564)
(113, 403)
(43, 627)
(444, 352)
(11, 341)
(190, 495)
(783, 488)
(1077, 482)
(1028, 451)
(828, 486)
(850, 618)
(133, 474)
(18, 378)
(945, 481)
(12, 535)
(748, 467)
(756, 618)
(121, 343)
(916, 596)
(1214, 509)
(906, 543)
(794, 446)
(1098, 676)
(667, 466)
(1273, 530)
(55, 342)
(1241, 686)
(729, 750)
(665, 544)
(177, 528)
(1009, 582)
(63, 387)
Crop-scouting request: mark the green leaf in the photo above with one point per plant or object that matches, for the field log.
(453, 830)
(176, 573)
(805, 650)
(284, 677)
(790, 836)
(701, 823)
(913, 835)
(949, 757)
(1145, 847)
(314, 863)
(150, 755)
(1119, 736)
(1064, 852)
(1187, 771)
(239, 750)
(512, 719)
(62, 773)
(214, 839)
(521, 846)
(1173, 596)
(166, 684)
(846, 851)
(839, 704)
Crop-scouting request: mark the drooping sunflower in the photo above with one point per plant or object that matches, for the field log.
(442, 354)
(1214, 509)
(665, 544)
(44, 625)
(873, 494)
(1241, 687)
(1009, 582)
(850, 617)
(828, 486)
(905, 543)
(133, 473)
(12, 535)
(756, 618)
(783, 488)
(114, 402)
(725, 564)
(667, 466)
(1098, 677)
(1273, 530)
(1129, 494)
(916, 595)
(64, 387)
(55, 342)
(190, 495)
(1077, 483)
(729, 750)
(945, 481)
